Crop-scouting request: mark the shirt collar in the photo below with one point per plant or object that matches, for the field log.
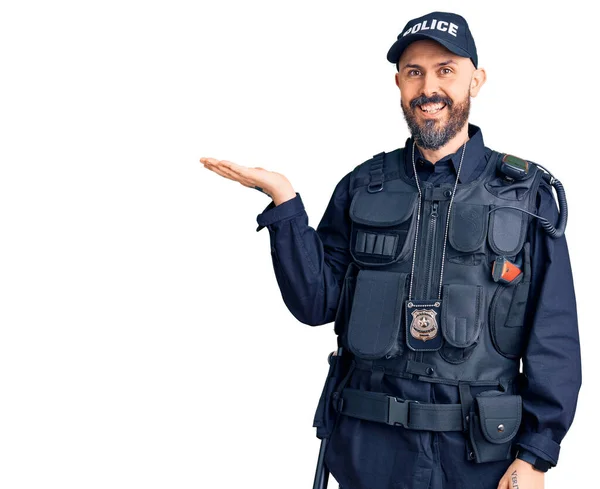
(474, 152)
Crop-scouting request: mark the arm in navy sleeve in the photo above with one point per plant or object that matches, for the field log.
(552, 357)
(310, 264)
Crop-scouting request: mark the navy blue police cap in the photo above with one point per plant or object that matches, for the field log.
(450, 30)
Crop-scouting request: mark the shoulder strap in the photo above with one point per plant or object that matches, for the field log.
(374, 172)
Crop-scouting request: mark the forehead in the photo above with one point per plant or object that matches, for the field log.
(427, 52)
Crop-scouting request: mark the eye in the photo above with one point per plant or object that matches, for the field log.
(412, 71)
(445, 68)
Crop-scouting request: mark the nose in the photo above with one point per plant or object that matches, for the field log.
(429, 85)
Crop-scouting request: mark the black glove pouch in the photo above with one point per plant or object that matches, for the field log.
(494, 420)
(376, 320)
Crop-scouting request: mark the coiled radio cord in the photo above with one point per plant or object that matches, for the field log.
(554, 232)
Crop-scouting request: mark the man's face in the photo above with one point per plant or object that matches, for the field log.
(432, 77)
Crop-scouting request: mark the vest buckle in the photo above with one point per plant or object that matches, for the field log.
(398, 411)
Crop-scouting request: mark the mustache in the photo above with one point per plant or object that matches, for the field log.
(422, 100)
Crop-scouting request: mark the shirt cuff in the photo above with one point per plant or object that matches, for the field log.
(531, 458)
(540, 445)
(274, 213)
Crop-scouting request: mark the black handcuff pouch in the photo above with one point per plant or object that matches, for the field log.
(494, 420)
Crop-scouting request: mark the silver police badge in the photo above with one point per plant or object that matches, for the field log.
(424, 325)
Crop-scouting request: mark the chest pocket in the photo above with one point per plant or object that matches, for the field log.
(463, 316)
(468, 229)
(383, 226)
(468, 226)
(508, 230)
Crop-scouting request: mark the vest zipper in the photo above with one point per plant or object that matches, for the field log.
(429, 252)
(431, 247)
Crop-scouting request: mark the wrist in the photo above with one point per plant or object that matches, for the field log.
(281, 197)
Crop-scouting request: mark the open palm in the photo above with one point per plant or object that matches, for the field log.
(266, 181)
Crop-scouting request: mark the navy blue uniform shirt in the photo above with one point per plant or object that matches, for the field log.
(310, 264)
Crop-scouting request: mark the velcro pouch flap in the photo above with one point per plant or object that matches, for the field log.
(508, 229)
(462, 306)
(468, 226)
(499, 416)
(376, 314)
(385, 208)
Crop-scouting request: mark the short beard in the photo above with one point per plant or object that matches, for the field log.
(432, 134)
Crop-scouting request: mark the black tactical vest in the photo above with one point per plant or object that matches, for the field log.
(467, 331)
(480, 324)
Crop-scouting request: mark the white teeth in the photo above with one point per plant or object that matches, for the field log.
(431, 108)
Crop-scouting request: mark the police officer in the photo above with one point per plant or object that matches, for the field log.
(443, 264)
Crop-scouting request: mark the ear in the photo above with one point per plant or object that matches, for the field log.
(477, 80)
(397, 78)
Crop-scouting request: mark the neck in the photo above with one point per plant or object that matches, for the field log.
(452, 146)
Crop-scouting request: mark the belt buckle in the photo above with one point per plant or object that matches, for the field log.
(398, 411)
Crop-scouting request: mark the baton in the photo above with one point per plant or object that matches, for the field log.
(322, 473)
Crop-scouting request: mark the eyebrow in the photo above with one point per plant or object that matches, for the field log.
(450, 61)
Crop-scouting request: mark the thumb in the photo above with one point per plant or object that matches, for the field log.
(503, 484)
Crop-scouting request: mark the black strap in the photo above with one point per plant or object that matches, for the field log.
(376, 173)
(466, 399)
(377, 377)
(414, 415)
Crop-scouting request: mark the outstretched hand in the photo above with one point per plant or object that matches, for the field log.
(274, 184)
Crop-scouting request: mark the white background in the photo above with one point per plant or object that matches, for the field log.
(144, 341)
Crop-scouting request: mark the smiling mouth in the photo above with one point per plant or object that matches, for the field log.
(432, 108)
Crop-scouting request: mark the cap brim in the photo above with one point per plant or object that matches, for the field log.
(400, 45)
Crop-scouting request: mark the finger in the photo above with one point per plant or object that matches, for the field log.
(219, 170)
(233, 171)
(224, 171)
(228, 167)
(235, 176)
(243, 171)
(213, 163)
(205, 160)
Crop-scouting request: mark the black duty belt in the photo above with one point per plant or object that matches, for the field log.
(414, 415)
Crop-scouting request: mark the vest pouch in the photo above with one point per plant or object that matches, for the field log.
(507, 312)
(375, 326)
(468, 228)
(494, 420)
(461, 320)
(383, 226)
(507, 230)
